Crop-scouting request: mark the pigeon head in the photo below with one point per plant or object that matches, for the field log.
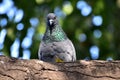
(51, 20)
(53, 31)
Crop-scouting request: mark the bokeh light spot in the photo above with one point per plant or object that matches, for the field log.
(30, 32)
(94, 51)
(67, 7)
(5, 6)
(109, 59)
(82, 37)
(20, 26)
(2, 35)
(11, 13)
(1, 53)
(1, 46)
(97, 20)
(34, 22)
(15, 48)
(81, 4)
(39, 1)
(26, 43)
(19, 15)
(59, 12)
(3, 22)
(97, 33)
(84, 7)
(26, 54)
(86, 10)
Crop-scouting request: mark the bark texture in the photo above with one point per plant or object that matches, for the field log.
(16, 69)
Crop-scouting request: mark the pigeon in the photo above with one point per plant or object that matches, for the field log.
(55, 46)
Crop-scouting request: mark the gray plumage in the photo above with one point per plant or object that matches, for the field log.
(55, 44)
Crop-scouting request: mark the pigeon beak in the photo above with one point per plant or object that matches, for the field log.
(51, 21)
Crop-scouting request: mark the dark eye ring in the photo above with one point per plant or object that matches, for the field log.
(55, 17)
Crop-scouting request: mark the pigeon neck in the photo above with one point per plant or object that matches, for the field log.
(56, 35)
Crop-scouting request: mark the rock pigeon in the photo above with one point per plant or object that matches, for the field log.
(55, 45)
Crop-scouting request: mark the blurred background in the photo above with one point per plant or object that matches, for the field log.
(92, 25)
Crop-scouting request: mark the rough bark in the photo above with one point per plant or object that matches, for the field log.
(16, 69)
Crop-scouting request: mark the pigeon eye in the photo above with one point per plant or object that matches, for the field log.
(54, 17)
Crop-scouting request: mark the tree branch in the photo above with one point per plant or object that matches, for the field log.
(16, 69)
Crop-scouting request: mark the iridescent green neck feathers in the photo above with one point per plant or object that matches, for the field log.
(56, 35)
